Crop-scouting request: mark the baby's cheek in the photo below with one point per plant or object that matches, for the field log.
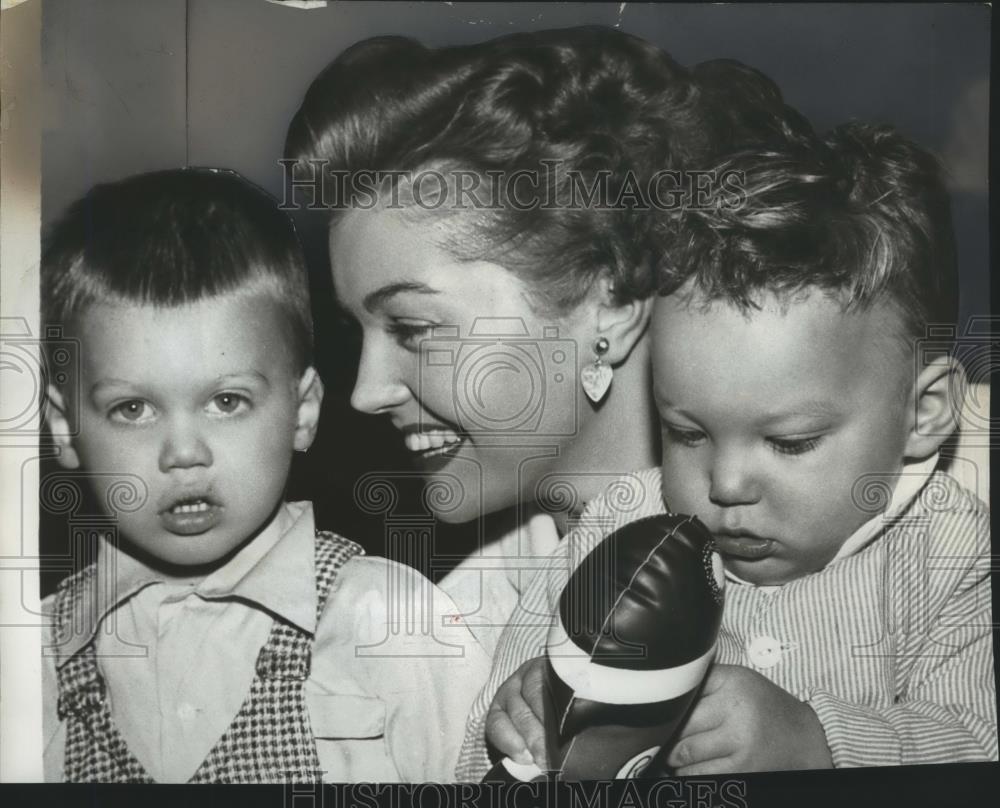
(682, 490)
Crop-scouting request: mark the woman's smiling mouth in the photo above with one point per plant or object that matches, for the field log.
(432, 442)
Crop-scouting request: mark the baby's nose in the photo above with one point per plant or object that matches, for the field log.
(733, 482)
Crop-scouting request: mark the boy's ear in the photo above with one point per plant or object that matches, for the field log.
(936, 402)
(310, 394)
(622, 324)
(60, 427)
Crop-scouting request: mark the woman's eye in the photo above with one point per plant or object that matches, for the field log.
(409, 335)
(685, 437)
(133, 411)
(794, 446)
(229, 403)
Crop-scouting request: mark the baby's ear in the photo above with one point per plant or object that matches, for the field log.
(310, 394)
(937, 399)
(60, 427)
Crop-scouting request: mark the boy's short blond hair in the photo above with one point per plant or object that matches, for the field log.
(170, 238)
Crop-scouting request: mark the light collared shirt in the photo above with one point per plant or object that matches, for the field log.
(392, 673)
(486, 584)
(890, 644)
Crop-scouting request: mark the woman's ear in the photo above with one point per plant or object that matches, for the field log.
(622, 324)
(310, 394)
(60, 427)
(937, 399)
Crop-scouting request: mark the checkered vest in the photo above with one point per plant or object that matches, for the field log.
(269, 740)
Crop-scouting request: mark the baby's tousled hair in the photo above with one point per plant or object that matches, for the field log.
(171, 238)
(862, 214)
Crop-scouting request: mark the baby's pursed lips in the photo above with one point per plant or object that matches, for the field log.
(737, 533)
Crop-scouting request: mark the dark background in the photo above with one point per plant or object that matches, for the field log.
(137, 86)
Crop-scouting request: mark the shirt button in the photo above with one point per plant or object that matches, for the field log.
(764, 652)
(186, 711)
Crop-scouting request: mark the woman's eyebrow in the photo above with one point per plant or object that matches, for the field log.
(377, 298)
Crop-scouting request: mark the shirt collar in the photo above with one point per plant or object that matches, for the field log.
(275, 571)
(909, 483)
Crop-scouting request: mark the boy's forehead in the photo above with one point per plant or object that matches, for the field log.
(811, 308)
(212, 333)
(798, 339)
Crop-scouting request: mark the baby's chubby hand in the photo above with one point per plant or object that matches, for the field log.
(514, 722)
(743, 722)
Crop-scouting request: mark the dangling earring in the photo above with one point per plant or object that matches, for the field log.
(596, 377)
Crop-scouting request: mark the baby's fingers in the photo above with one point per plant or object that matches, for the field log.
(701, 753)
(504, 735)
(514, 723)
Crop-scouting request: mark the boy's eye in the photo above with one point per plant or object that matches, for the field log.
(228, 403)
(794, 446)
(133, 411)
(409, 334)
(685, 437)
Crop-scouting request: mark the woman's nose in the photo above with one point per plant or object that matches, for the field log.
(184, 447)
(379, 386)
(733, 480)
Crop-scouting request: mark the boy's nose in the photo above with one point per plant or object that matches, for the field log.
(379, 387)
(184, 447)
(733, 481)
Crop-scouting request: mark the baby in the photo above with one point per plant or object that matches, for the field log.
(220, 637)
(802, 419)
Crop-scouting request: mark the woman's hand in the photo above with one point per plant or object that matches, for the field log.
(743, 722)
(514, 722)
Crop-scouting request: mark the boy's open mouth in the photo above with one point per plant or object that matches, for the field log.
(195, 506)
(191, 515)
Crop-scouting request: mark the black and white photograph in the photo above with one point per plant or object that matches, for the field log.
(443, 403)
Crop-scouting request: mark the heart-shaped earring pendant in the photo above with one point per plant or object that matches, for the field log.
(596, 379)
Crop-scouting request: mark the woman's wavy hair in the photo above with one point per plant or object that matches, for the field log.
(573, 105)
(862, 214)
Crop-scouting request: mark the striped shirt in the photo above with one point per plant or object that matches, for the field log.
(890, 644)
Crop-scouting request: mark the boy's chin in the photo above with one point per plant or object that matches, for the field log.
(772, 571)
(194, 561)
(763, 572)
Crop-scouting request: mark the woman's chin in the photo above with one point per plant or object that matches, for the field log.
(453, 484)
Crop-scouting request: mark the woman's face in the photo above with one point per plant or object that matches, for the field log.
(482, 388)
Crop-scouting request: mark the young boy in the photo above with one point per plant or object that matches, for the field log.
(801, 422)
(220, 637)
